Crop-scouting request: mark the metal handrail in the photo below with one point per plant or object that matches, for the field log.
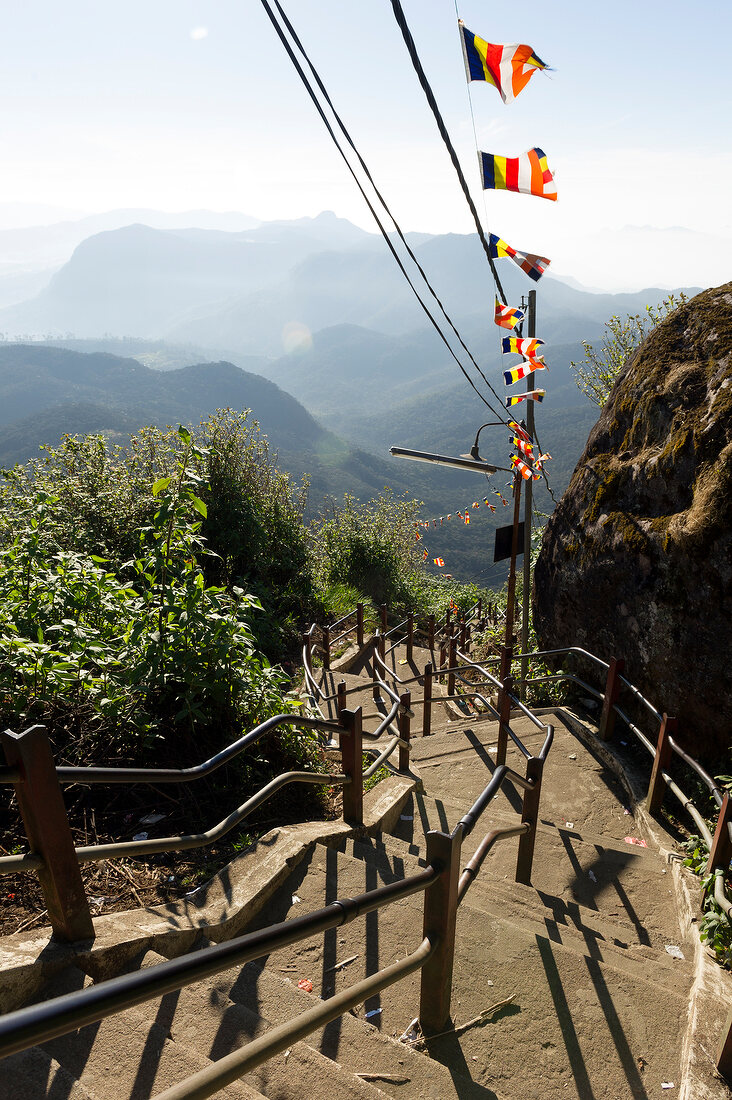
(226, 1070)
(343, 619)
(396, 742)
(473, 866)
(49, 1019)
(188, 775)
(399, 626)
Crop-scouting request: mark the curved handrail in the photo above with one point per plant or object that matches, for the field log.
(50, 1019)
(188, 775)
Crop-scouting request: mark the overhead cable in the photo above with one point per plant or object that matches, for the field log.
(425, 307)
(407, 35)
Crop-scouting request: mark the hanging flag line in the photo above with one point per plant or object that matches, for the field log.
(384, 233)
(409, 41)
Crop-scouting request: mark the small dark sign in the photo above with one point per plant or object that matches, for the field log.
(504, 538)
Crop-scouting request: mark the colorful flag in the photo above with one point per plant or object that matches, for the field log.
(525, 470)
(417, 535)
(528, 347)
(466, 517)
(532, 395)
(534, 266)
(529, 365)
(525, 448)
(439, 562)
(528, 174)
(520, 431)
(476, 504)
(425, 556)
(508, 68)
(508, 316)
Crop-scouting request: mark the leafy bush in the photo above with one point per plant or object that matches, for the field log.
(715, 928)
(118, 656)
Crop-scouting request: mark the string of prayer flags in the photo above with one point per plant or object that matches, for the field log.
(508, 68)
(532, 395)
(527, 347)
(533, 266)
(508, 316)
(528, 174)
(526, 449)
(517, 373)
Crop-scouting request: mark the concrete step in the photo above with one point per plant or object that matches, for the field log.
(34, 1075)
(352, 1041)
(584, 1008)
(206, 1021)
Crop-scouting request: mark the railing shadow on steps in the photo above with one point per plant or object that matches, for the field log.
(441, 882)
(443, 885)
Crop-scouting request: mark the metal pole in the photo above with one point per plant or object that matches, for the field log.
(527, 517)
(517, 479)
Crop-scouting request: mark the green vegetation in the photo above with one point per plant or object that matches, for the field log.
(715, 929)
(597, 372)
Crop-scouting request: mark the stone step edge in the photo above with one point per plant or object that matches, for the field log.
(221, 907)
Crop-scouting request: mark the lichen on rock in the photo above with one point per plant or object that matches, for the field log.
(636, 561)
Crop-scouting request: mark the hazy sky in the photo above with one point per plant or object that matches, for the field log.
(178, 104)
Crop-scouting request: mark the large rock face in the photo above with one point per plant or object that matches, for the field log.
(636, 561)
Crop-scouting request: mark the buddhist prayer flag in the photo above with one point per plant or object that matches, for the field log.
(528, 174)
(508, 316)
(534, 266)
(466, 517)
(439, 562)
(532, 395)
(525, 470)
(526, 449)
(520, 431)
(514, 345)
(529, 365)
(508, 68)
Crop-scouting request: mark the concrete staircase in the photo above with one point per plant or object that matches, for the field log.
(590, 1003)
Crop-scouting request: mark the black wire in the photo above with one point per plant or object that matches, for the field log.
(378, 194)
(384, 233)
(407, 35)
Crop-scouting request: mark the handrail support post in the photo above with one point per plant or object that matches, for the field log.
(404, 723)
(359, 624)
(427, 702)
(46, 824)
(529, 815)
(612, 691)
(452, 662)
(351, 740)
(720, 854)
(410, 636)
(504, 708)
(326, 648)
(440, 913)
(661, 759)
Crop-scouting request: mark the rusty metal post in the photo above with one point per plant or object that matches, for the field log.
(720, 854)
(359, 623)
(724, 1054)
(352, 763)
(404, 723)
(326, 648)
(431, 632)
(448, 616)
(341, 701)
(480, 608)
(383, 618)
(468, 637)
(440, 912)
(530, 814)
(410, 636)
(451, 663)
(506, 658)
(463, 633)
(427, 702)
(47, 828)
(374, 670)
(657, 786)
(612, 691)
(504, 707)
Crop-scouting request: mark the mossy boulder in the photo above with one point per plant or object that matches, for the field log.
(636, 561)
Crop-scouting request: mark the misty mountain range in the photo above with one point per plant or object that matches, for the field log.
(309, 324)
